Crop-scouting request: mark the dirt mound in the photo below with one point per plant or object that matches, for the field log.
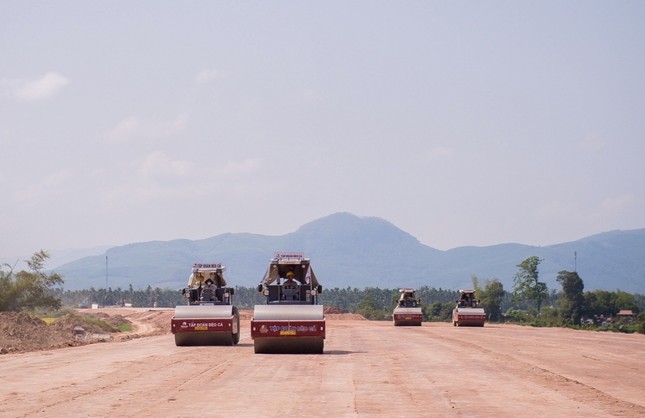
(20, 332)
(346, 317)
(333, 310)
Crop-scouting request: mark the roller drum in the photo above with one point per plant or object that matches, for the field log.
(288, 312)
(203, 311)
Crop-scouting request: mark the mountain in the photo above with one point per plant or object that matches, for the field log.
(56, 257)
(347, 250)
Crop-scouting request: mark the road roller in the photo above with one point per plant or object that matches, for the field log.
(208, 317)
(467, 311)
(291, 321)
(408, 309)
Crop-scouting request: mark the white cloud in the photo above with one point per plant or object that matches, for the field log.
(557, 210)
(591, 143)
(42, 88)
(124, 130)
(132, 127)
(156, 178)
(619, 204)
(158, 164)
(576, 219)
(309, 95)
(607, 209)
(159, 177)
(439, 152)
(234, 168)
(207, 76)
(47, 187)
(181, 121)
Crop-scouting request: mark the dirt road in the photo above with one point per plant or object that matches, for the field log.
(368, 369)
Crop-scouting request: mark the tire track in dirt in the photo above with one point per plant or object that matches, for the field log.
(131, 378)
(547, 378)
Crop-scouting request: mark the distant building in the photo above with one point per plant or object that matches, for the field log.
(625, 313)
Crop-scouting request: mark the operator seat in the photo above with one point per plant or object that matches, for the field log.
(290, 292)
(207, 295)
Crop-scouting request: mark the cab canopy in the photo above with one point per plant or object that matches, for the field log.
(466, 293)
(292, 263)
(204, 271)
(407, 293)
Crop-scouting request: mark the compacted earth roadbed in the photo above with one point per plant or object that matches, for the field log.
(367, 369)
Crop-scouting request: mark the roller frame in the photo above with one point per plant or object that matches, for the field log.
(294, 345)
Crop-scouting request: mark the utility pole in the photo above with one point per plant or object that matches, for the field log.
(106, 273)
(575, 261)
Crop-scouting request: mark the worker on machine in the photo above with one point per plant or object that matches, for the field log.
(410, 302)
(208, 291)
(290, 287)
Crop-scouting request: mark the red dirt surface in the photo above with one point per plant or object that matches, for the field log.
(368, 369)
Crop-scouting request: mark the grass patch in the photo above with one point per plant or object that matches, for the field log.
(125, 327)
(98, 323)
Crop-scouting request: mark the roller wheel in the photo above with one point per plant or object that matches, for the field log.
(236, 316)
(320, 349)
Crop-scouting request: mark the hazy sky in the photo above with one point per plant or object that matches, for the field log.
(461, 122)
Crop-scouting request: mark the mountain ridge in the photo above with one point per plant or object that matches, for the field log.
(348, 250)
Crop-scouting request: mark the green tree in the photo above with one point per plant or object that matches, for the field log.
(527, 286)
(573, 300)
(370, 309)
(491, 298)
(606, 303)
(29, 289)
(624, 300)
(435, 310)
(441, 311)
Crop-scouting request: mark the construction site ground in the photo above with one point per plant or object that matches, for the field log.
(368, 369)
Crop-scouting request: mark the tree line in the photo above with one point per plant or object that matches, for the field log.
(530, 301)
